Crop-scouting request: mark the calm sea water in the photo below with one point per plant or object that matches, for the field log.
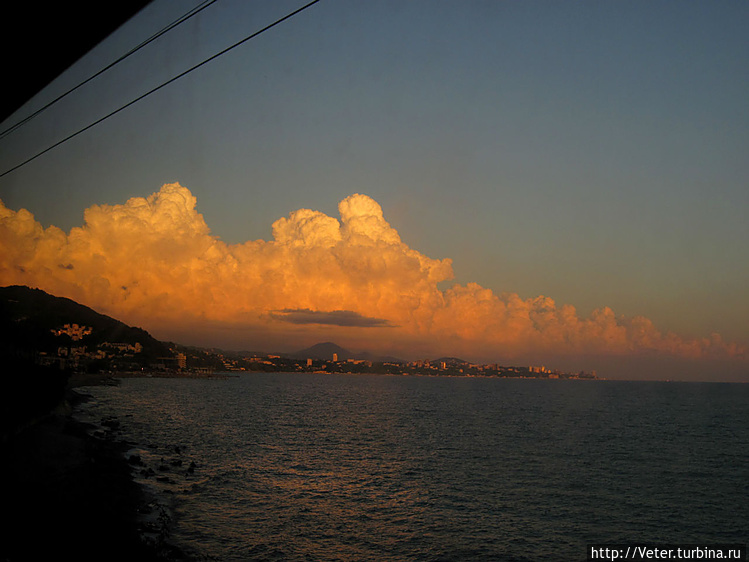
(360, 467)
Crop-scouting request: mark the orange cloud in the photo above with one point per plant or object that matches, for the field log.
(153, 262)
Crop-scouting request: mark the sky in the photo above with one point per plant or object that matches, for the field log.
(517, 182)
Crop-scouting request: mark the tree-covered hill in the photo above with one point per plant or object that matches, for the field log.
(44, 338)
(30, 317)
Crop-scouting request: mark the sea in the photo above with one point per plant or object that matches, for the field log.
(328, 467)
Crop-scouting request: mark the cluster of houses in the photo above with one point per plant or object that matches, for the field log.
(75, 354)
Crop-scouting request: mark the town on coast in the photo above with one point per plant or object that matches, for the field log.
(124, 359)
(59, 333)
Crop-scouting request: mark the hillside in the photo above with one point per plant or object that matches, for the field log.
(29, 317)
(38, 352)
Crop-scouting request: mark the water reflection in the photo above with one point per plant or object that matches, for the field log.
(328, 467)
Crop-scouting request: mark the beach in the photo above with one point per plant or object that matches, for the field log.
(68, 490)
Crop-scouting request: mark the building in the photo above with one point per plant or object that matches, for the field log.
(75, 331)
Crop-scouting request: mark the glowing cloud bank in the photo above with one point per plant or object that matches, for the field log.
(153, 262)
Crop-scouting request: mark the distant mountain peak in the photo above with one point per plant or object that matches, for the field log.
(324, 351)
(451, 361)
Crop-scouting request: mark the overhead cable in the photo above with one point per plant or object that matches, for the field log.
(155, 36)
(157, 88)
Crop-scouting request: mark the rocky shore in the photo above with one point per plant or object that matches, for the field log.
(68, 491)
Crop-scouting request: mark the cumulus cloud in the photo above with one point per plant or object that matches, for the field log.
(153, 262)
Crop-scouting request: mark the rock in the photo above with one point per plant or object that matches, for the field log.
(111, 423)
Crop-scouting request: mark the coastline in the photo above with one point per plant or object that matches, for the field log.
(68, 488)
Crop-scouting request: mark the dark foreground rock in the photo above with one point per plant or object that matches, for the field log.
(66, 493)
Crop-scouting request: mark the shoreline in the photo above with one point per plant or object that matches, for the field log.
(68, 488)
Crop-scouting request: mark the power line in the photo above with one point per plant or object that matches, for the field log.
(157, 88)
(155, 36)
